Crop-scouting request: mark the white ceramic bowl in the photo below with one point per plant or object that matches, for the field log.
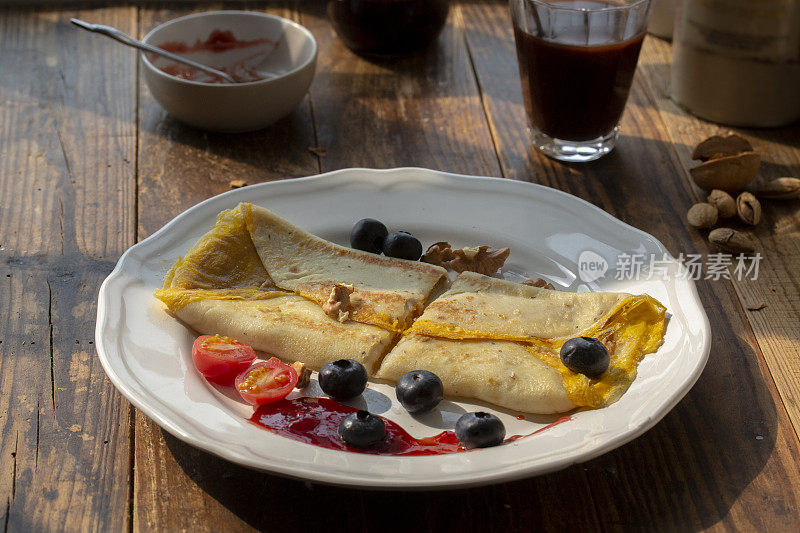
(242, 106)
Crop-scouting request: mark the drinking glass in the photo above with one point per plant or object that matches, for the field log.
(576, 62)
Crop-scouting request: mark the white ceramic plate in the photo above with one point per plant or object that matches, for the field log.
(147, 354)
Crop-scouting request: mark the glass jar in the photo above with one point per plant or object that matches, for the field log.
(737, 62)
(388, 27)
(662, 18)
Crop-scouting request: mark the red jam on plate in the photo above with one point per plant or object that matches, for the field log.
(316, 421)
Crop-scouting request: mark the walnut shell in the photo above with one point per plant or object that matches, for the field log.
(702, 215)
(780, 189)
(718, 146)
(724, 202)
(748, 208)
(729, 173)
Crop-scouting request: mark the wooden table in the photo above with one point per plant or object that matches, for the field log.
(89, 165)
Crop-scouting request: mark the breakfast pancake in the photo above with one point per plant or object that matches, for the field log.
(478, 306)
(221, 287)
(290, 327)
(386, 291)
(257, 278)
(518, 318)
(498, 372)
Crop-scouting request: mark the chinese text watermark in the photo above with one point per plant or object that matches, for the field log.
(689, 266)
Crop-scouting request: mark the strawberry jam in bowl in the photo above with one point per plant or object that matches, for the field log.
(271, 58)
(218, 51)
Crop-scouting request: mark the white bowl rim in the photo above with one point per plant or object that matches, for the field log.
(176, 79)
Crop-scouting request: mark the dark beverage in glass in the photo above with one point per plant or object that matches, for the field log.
(388, 27)
(577, 59)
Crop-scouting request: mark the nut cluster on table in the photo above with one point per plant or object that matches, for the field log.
(728, 164)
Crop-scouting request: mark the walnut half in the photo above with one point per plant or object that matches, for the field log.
(480, 259)
(303, 375)
(338, 305)
(438, 254)
(539, 282)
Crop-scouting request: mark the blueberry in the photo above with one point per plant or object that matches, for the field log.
(362, 429)
(585, 355)
(402, 245)
(419, 391)
(343, 379)
(479, 430)
(368, 234)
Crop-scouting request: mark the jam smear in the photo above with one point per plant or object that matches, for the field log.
(219, 41)
(548, 426)
(316, 421)
(240, 73)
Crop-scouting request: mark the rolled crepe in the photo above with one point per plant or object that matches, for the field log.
(514, 319)
(290, 327)
(259, 279)
(388, 293)
(221, 287)
(478, 306)
(498, 372)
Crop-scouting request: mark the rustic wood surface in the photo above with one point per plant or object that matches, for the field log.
(89, 164)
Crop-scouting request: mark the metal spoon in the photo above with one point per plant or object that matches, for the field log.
(117, 35)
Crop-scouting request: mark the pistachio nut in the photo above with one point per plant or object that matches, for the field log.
(724, 203)
(780, 189)
(702, 215)
(748, 208)
(730, 240)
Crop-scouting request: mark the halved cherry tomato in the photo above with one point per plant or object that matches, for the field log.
(266, 382)
(220, 359)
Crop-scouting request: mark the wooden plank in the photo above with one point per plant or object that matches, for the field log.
(778, 235)
(177, 487)
(179, 166)
(423, 110)
(67, 140)
(725, 456)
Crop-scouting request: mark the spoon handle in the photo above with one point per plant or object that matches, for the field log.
(117, 35)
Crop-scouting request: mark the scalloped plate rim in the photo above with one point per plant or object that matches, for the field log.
(313, 473)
